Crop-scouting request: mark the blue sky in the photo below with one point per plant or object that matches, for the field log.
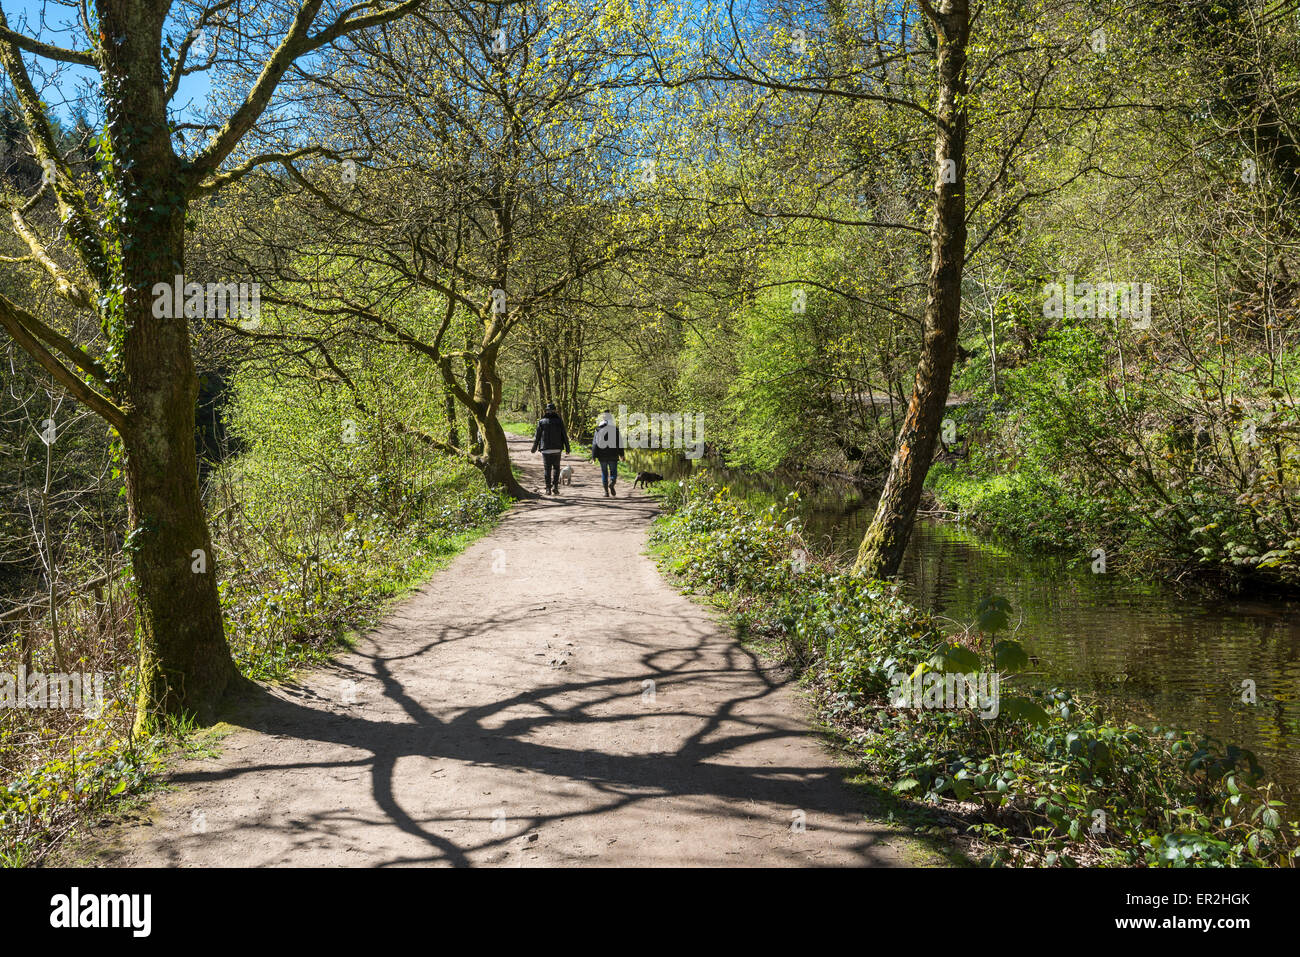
(59, 25)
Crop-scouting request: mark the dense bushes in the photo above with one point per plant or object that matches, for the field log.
(1187, 467)
(1032, 510)
(1047, 780)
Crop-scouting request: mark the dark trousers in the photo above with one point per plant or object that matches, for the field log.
(608, 472)
(551, 464)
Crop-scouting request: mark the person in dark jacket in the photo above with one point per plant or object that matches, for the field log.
(551, 440)
(607, 450)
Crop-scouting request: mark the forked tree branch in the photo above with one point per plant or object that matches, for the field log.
(20, 324)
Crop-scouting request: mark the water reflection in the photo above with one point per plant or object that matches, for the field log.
(1157, 656)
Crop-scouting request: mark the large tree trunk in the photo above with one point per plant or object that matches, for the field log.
(185, 663)
(494, 461)
(881, 551)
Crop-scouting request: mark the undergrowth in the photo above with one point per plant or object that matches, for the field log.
(1043, 777)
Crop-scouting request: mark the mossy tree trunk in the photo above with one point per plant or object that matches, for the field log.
(494, 460)
(185, 662)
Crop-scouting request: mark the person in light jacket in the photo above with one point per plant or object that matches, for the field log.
(607, 449)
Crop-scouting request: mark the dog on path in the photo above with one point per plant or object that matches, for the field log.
(566, 475)
(644, 479)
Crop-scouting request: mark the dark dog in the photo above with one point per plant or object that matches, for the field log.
(644, 479)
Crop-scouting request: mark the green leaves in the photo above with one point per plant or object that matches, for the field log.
(961, 787)
(993, 614)
(907, 785)
(955, 659)
(1095, 752)
(1016, 708)
(1009, 656)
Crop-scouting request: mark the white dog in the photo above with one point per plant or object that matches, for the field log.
(566, 475)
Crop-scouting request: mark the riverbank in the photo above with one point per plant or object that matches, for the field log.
(1156, 653)
(1051, 779)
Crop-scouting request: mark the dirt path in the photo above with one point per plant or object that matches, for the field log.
(505, 715)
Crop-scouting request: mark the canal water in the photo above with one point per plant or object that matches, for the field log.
(1158, 657)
